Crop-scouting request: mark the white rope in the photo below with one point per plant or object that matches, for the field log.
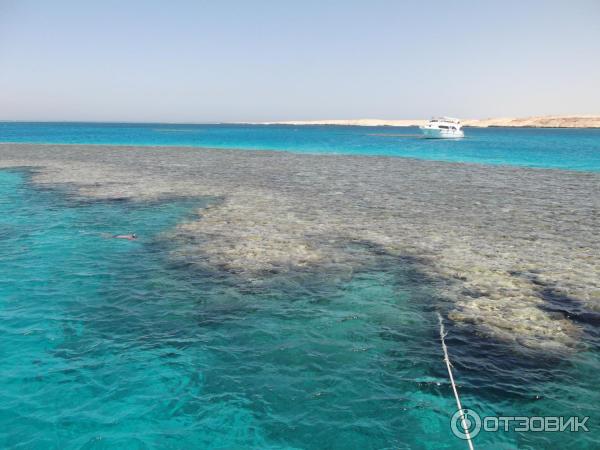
(448, 365)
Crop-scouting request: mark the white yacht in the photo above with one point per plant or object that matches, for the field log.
(443, 127)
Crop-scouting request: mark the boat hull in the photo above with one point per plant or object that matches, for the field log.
(438, 133)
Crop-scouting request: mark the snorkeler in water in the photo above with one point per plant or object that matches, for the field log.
(129, 237)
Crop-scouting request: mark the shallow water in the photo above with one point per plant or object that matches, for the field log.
(110, 344)
(574, 149)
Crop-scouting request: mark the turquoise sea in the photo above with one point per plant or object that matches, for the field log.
(574, 149)
(111, 344)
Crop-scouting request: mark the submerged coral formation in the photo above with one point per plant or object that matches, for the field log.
(514, 249)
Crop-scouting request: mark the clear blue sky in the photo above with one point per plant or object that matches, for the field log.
(197, 61)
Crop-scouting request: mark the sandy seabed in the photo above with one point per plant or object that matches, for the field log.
(514, 251)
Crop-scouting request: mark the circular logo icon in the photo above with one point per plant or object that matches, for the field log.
(465, 421)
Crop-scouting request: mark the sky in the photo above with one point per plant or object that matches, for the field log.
(226, 60)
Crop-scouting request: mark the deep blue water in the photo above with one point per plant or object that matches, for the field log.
(112, 344)
(574, 149)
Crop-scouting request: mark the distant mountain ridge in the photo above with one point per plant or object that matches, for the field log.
(581, 121)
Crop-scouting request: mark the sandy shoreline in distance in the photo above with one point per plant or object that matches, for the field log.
(507, 246)
(531, 122)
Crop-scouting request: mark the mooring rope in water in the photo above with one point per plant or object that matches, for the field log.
(448, 365)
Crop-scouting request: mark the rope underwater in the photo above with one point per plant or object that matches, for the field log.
(448, 365)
